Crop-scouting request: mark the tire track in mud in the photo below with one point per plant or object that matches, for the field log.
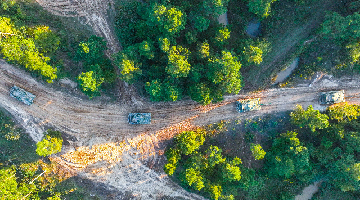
(109, 150)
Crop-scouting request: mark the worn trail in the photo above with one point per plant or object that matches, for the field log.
(105, 142)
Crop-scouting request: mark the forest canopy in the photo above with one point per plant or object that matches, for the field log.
(177, 49)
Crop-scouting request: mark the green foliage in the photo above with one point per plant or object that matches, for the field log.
(254, 51)
(91, 52)
(46, 41)
(178, 65)
(341, 28)
(162, 91)
(214, 8)
(201, 94)
(288, 157)
(129, 69)
(16, 45)
(223, 34)
(214, 156)
(225, 72)
(354, 52)
(169, 20)
(309, 118)
(231, 172)
(146, 49)
(10, 189)
(345, 173)
(204, 170)
(164, 44)
(204, 49)
(156, 38)
(194, 178)
(49, 145)
(90, 82)
(345, 111)
(173, 156)
(190, 141)
(261, 8)
(257, 151)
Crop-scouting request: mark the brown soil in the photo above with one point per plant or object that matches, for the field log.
(110, 150)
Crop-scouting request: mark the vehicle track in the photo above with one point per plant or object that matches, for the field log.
(105, 142)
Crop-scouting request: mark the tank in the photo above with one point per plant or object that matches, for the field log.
(22, 95)
(248, 105)
(139, 118)
(332, 97)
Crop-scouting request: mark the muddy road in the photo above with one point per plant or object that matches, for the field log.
(104, 147)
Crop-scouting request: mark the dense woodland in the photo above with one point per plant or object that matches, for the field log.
(310, 146)
(177, 49)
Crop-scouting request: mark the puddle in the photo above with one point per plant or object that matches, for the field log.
(223, 19)
(281, 76)
(253, 29)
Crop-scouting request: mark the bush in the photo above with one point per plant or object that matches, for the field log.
(50, 144)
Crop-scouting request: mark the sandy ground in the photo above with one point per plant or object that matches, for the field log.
(94, 11)
(102, 146)
(308, 191)
(109, 150)
(281, 76)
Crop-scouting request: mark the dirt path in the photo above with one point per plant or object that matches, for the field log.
(281, 76)
(94, 11)
(308, 191)
(109, 150)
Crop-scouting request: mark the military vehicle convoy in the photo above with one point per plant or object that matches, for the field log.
(22, 95)
(139, 118)
(248, 105)
(332, 97)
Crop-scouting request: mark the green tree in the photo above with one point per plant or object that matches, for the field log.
(201, 93)
(223, 34)
(261, 8)
(344, 111)
(204, 50)
(173, 156)
(146, 49)
(10, 189)
(92, 51)
(214, 191)
(257, 151)
(345, 173)
(169, 20)
(231, 170)
(178, 65)
(214, 156)
(49, 145)
(165, 91)
(194, 178)
(214, 8)
(189, 141)
(46, 41)
(288, 157)
(225, 72)
(15, 46)
(129, 68)
(90, 82)
(309, 118)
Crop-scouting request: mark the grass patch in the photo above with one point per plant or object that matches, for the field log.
(15, 151)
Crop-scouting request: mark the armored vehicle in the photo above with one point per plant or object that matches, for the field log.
(22, 95)
(139, 118)
(332, 97)
(248, 105)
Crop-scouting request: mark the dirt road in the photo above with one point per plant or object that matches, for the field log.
(109, 150)
(94, 11)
